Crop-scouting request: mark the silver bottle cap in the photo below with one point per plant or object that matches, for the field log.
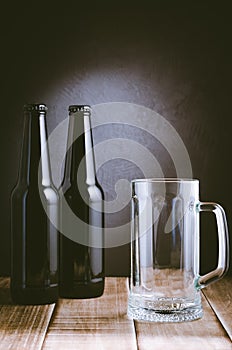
(79, 108)
(40, 107)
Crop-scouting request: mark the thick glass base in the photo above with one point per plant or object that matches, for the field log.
(164, 312)
(34, 296)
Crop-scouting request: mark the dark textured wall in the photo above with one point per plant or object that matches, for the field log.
(173, 58)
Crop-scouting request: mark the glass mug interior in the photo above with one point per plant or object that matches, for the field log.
(165, 282)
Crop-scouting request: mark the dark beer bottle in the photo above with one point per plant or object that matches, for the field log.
(81, 240)
(34, 237)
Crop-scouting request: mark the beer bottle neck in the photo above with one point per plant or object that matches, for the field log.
(35, 164)
(79, 163)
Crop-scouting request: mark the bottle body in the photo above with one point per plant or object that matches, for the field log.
(34, 238)
(82, 256)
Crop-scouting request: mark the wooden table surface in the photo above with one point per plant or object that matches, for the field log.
(102, 323)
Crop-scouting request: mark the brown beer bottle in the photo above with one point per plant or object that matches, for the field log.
(81, 214)
(34, 238)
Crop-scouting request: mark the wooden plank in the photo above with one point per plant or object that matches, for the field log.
(219, 296)
(99, 323)
(21, 327)
(206, 333)
(102, 323)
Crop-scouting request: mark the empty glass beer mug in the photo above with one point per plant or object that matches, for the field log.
(165, 282)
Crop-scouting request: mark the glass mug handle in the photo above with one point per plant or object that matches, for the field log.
(223, 244)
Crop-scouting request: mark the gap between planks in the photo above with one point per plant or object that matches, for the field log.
(22, 327)
(210, 332)
(219, 296)
(101, 323)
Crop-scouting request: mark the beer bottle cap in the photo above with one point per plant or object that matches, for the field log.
(81, 108)
(40, 107)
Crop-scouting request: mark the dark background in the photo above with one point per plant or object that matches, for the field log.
(171, 56)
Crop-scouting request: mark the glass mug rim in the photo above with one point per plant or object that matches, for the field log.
(164, 180)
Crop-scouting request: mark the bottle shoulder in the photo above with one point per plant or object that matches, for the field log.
(50, 194)
(19, 191)
(23, 190)
(91, 192)
(95, 193)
